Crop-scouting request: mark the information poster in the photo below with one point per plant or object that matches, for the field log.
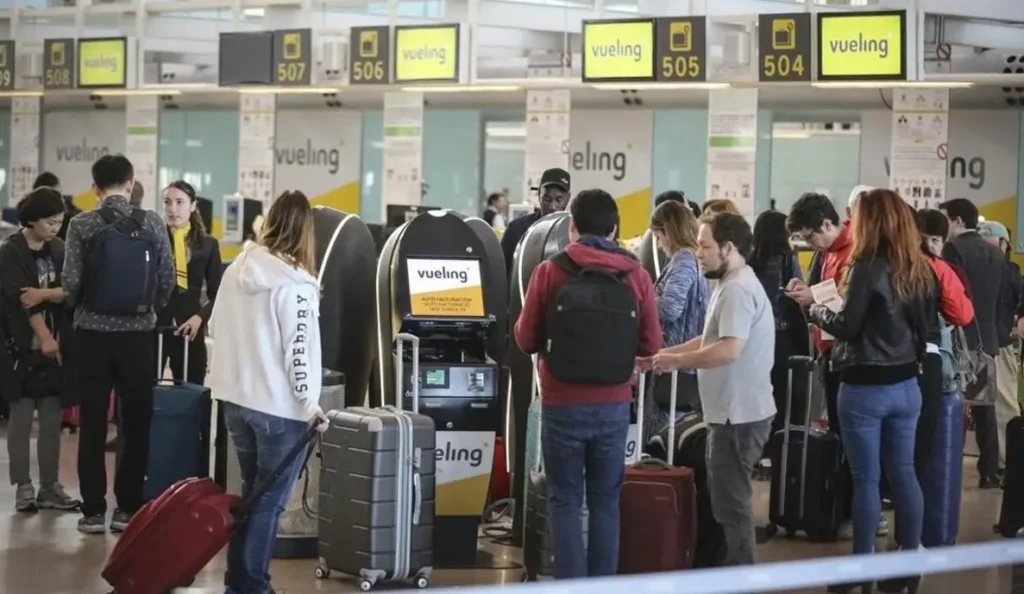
(445, 288)
(24, 146)
(919, 143)
(403, 149)
(142, 143)
(732, 147)
(547, 135)
(256, 126)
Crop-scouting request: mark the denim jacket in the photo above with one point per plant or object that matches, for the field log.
(683, 294)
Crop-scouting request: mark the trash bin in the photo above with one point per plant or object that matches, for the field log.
(297, 529)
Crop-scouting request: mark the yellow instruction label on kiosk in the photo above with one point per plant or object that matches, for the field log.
(445, 288)
(427, 53)
(862, 46)
(620, 50)
(102, 62)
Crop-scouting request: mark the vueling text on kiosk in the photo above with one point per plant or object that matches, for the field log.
(475, 456)
(445, 273)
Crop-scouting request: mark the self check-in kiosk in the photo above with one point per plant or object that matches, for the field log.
(436, 280)
(239, 215)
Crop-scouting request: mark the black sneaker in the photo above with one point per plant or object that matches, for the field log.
(119, 521)
(92, 524)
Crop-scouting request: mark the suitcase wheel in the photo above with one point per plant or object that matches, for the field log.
(770, 531)
(321, 572)
(421, 582)
(365, 585)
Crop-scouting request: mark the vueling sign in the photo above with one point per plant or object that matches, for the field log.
(427, 53)
(862, 45)
(618, 50)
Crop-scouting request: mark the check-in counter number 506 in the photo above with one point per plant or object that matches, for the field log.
(783, 65)
(371, 70)
(680, 67)
(291, 72)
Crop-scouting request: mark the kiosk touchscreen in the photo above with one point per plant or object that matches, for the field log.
(435, 280)
(239, 215)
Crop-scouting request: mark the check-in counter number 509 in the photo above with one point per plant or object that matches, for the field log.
(291, 72)
(368, 70)
(783, 65)
(680, 66)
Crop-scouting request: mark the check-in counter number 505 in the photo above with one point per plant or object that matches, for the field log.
(369, 70)
(680, 67)
(782, 65)
(291, 72)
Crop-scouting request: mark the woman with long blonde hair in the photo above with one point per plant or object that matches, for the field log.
(890, 305)
(266, 372)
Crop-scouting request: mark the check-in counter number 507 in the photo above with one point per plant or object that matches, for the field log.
(371, 70)
(291, 72)
(680, 67)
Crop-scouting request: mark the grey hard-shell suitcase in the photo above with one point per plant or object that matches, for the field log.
(377, 490)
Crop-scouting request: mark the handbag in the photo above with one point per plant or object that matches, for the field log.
(981, 389)
(41, 376)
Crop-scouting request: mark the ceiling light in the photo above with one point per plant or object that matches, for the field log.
(464, 89)
(13, 94)
(254, 13)
(134, 92)
(792, 135)
(885, 84)
(659, 86)
(289, 90)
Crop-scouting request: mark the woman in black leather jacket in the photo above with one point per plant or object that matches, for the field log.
(889, 310)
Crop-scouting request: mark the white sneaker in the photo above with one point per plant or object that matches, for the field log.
(883, 527)
(845, 531)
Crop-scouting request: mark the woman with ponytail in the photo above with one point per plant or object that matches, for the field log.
(197, 265)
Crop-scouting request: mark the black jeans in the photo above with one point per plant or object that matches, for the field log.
(987, 437)
(125, 361)
(174, 352)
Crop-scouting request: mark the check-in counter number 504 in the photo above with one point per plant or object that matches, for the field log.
(291, 72)
(782, 65)
(368, 70)
(680, 67)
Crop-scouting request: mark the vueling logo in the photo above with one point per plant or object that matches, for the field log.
(444, 273)
(590, 159)
(475, 456)
(308, 156)
(81, 152)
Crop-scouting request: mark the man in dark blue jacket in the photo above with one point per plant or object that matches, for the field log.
(554, 197)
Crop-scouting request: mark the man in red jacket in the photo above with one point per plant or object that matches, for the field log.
(586, 422)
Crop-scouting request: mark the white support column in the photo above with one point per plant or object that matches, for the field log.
(256, 127)
(24, 165)
(403, 150)
(142, 144)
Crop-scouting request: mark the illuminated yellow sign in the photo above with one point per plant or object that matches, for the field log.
(862, 46)
(621, 50)
(426, 53)
(102, 62)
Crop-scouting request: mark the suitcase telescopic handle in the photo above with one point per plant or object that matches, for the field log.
(673, 400)
(400, 341)
(241, 513)
(641, 395)
(160, 358)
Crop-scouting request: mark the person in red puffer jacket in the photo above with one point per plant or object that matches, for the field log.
(585, 425)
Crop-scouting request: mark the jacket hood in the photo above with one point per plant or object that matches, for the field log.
(260, 271)
(587, 256)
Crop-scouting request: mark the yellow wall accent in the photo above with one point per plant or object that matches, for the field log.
(464, 497)
(634, 213)
(346, 198)
(85, 200)
(228, 252)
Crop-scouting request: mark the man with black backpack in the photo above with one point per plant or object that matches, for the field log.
(589, 312)
(118, 271)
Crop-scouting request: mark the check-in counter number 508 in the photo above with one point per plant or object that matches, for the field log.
(291, 71)
(680, 66)
(54, 77)
(783, 65)
(368, 70)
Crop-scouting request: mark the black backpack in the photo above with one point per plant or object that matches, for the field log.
(121, 267)
(593, 328)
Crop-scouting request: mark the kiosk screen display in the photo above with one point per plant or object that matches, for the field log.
(445, 288)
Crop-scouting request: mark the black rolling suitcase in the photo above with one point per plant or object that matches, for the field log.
(807, 469)
(1011, 513)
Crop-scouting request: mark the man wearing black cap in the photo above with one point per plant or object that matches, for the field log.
(554, 197)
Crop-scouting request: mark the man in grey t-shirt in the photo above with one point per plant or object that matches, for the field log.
(734, 361)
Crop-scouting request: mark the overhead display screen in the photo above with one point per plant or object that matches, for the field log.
(445, 288)
(862, 46)
(102, 63)
(293, 63)
(427, 53)
(784, 45)
(619, 50)
(682, 49)
(370, 61)
(246, 58)
(58, 64)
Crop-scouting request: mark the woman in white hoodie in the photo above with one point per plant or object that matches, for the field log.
(266, 371)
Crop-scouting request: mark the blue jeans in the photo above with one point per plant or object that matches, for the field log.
(261, 442)
(879, 423)
(584, 447)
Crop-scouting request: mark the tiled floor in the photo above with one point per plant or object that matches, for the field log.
(44, 554)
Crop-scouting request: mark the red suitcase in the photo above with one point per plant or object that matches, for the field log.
(173, 537)
(658, 509)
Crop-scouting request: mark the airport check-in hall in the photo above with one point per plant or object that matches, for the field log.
(331, 228)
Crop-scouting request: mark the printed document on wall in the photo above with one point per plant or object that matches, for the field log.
(24, 146)
(732, 147)
(918, 151)
(547, 135)
(256, 126)
(142, 143)
(403, 149)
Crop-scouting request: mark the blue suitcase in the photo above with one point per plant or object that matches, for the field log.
(941, 478)
(179, 437)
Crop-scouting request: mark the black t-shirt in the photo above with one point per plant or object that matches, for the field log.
(46, 269)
